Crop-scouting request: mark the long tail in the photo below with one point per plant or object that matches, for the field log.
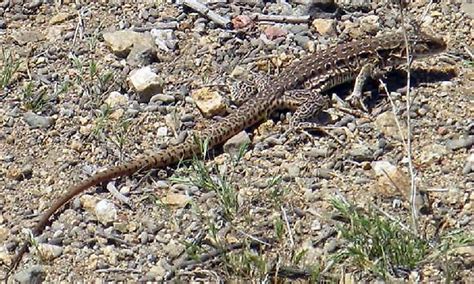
(170, 156)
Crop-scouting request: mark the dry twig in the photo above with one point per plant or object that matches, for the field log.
(204, 10)
(411, 170)
(282, 18)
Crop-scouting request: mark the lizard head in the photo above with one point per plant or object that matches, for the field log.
(424, 45)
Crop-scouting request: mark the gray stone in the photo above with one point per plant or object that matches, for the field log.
(272, 141)
(361, 153)
(387, 124)
(142, 53)
(173, 249)
(322, 173)
(37, 121)
(33, 274)
(331, 246)
(233, 145)
(370, 24)
(303, 41)
(463, 142)
(25, 37)
(163, 98)
(34, 4)
(468, 8)
(317, 153)
(469, 166)
(293, 170)
(165, 39)
(432, 153)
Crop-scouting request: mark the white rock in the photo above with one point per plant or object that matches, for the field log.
(116, 99)
(446, 85)
(105, 212)
(432, 153)
(370, 24)
(54, 33)
(382, 167)
(471, 158)
(146, 83)
(164, 39)
(162, 131)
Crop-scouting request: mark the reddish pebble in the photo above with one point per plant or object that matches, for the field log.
(241, 21)
(442, 130)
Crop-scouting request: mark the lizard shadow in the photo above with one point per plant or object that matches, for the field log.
(396, 81)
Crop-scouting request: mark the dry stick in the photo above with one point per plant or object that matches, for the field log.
(119, 270)
(394, 107)
(204, 10)
(113, 190)
(263, 242)
(392, 218)
(400, 130)
(427, 9)
(247, 2)
(414, 213)
(159, 26)
(79, 27)
(292, 242)
(282, 18)
(468, 51)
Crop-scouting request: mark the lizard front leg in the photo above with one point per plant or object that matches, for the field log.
(306, 103)
(369, 70)
(356, 98)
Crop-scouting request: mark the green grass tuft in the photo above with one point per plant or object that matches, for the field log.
(378, 245)
(8, 68)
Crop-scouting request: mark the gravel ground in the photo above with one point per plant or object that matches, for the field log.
(70, 109)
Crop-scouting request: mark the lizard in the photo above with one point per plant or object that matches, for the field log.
(316, 72)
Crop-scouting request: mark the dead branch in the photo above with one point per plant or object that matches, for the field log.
(211, 15)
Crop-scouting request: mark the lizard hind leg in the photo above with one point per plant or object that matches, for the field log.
(307, 104)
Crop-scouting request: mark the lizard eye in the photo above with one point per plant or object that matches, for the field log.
(340, 62)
